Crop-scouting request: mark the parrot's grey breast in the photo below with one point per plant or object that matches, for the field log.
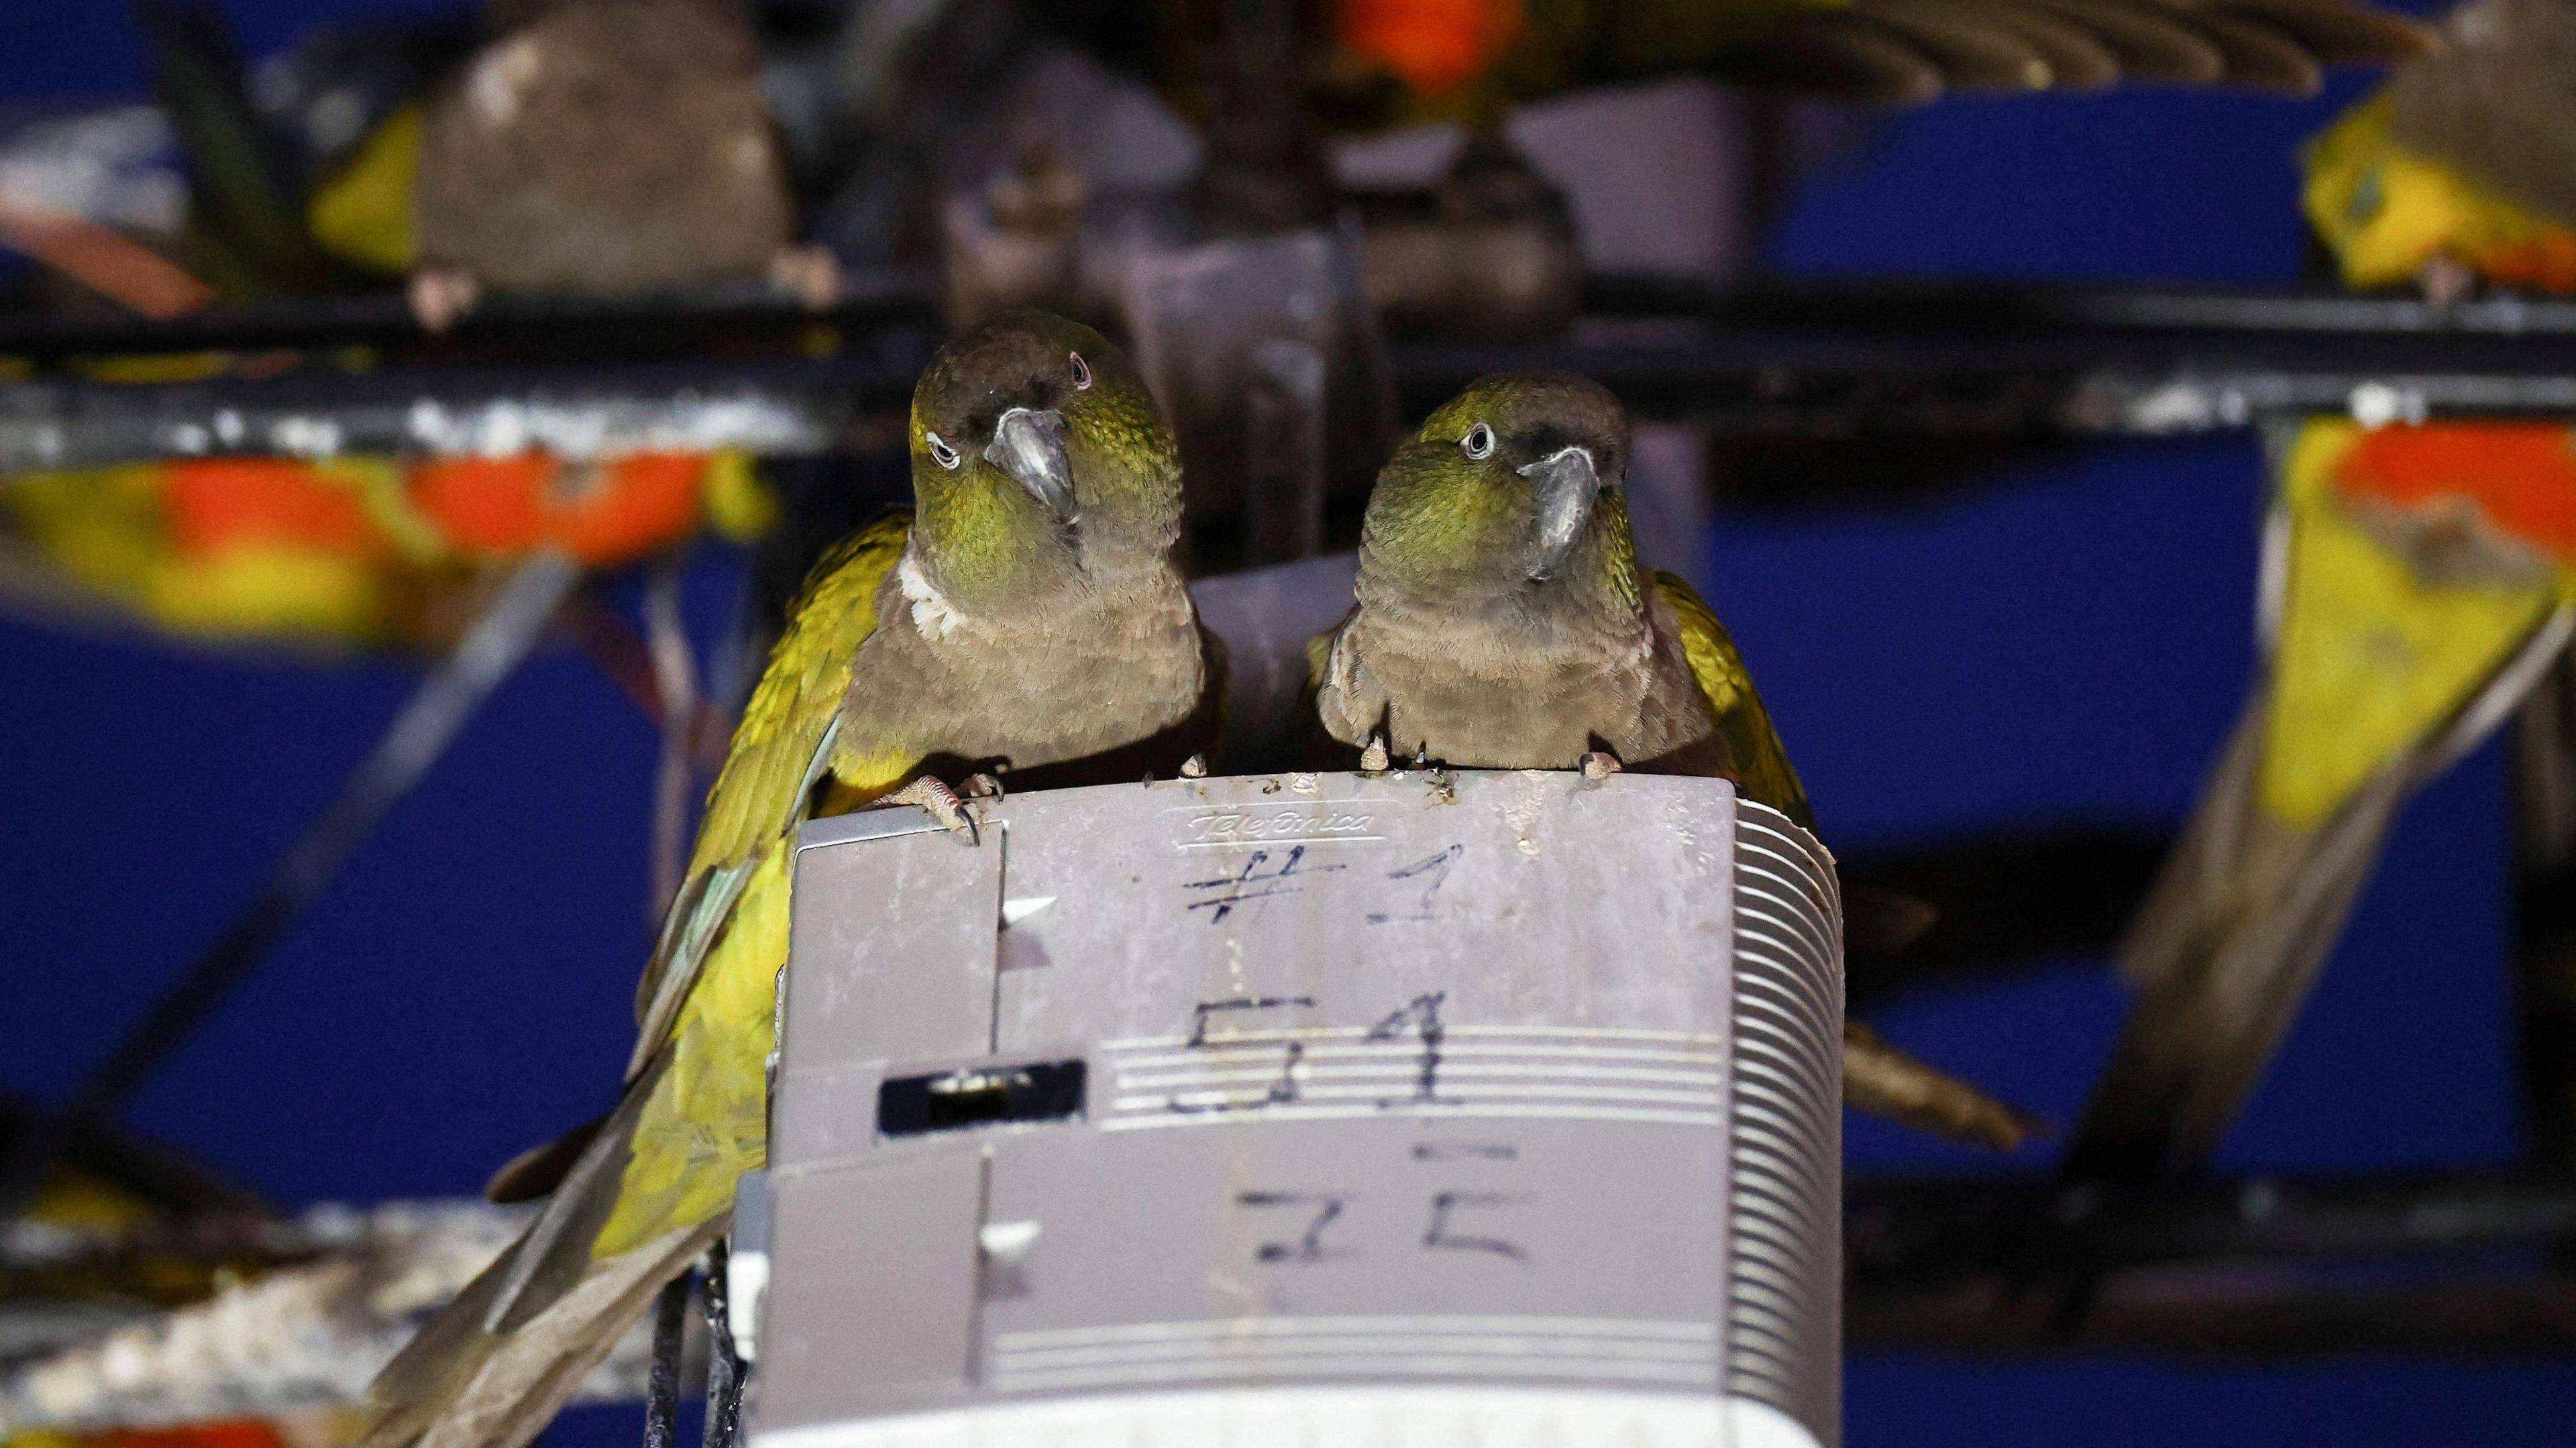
(1084, 674)
(607, 146)
(2499, 105)
(1463, 693)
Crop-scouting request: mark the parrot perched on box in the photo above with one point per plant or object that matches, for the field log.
(1502, 622)
(592, 148)
(2417, 588)
(1027, 611)
(1457, 57)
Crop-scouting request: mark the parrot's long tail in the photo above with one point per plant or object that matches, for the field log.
(2238, 925)
(2222, 952)
(492, 1367)
(1883, 1080)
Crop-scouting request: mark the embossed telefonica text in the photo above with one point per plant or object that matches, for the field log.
(1322, 822)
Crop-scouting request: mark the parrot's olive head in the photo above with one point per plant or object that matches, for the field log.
(1511, 488)
(1036, 446)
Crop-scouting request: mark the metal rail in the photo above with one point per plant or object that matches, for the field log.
(1984, 361)
(2250, 1268)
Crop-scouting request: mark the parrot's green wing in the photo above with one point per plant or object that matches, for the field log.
(1319, 656)
(1761, 764)
(1877, 1076)
(778, 752)
(727, 910)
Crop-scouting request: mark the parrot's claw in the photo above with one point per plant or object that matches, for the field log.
(982, 786)
(1194, 767)
(940, 803)
(2447, 281)
(440, 295)
(1599, 765)
(810, 273)
(1373, 759)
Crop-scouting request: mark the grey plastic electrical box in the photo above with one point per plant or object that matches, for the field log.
(1413, 1109)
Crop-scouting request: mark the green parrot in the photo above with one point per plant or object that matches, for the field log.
(1502, 622)
(1027, 614)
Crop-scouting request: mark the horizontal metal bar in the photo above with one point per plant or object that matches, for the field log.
(1922, 1233)
(2256, 1316)
(1804, 360)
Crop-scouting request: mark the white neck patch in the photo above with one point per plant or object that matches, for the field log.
(501, 79)
(933, 616)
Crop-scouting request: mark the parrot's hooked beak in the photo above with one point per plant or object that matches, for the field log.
(1029, 445)
(1568, 485)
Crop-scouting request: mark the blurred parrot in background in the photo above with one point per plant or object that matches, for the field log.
(2418, 585)
(1028, 611)
(1457, 57)
(2462, 167)
(1502, 622)
(354, 551)
(592, 148)
(2420, 582)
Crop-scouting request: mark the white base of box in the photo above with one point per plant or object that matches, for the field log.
(1462, 1417)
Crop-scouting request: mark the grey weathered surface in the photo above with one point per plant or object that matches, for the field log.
(1401, 1081)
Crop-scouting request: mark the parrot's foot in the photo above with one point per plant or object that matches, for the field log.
(1374, 759)
(440, 295)
(1599, 765)
(940, 802)
(811, 273)
(2447, 281)
(1194, 767)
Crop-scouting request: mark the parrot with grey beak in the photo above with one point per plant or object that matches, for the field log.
(1502, 622)
(1027, 614)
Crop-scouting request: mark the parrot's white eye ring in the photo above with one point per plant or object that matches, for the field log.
(1479, 442)
(1081, 373)
(940, 452)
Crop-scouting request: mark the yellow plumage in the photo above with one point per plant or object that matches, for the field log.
(2385, 211)
(2373, 656)
(363, 214)
(785, 719)
(705, 1121)
(1762, 766)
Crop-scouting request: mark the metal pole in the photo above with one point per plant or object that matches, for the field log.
(726, 1371)
(2544, 806)
(490, 650)
(662, 1386)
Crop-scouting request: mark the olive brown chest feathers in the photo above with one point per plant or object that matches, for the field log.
(599, 147)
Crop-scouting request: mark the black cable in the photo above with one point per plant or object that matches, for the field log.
(662, 1387)
(726, 1371)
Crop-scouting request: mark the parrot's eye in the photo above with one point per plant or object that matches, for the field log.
(1479, 442)
(940, 452)
(1081, 373)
